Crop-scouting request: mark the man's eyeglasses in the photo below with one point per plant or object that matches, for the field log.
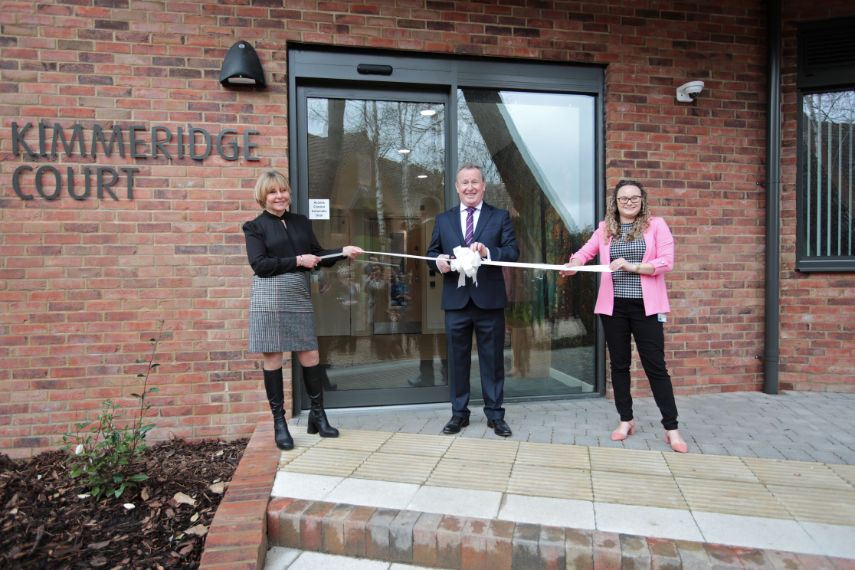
(624, 200)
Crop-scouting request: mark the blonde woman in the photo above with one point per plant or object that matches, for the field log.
(281, 248)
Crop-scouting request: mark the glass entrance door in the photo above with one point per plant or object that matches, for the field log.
(372, 170)
(375, 177)
(537, 150)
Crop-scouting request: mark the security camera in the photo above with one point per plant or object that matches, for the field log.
(687, 92)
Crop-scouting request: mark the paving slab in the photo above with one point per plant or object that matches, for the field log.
(743, 497)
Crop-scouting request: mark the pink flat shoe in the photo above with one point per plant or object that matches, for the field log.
(678, 447)
(618, 435)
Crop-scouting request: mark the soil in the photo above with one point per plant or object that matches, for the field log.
(45, 524)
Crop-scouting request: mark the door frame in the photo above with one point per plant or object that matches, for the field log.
(300, 191)
(360, 70)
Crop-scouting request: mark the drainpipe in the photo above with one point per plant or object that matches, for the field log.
(773, 197)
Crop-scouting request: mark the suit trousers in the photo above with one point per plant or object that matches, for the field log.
(489, 328)
(628, 319)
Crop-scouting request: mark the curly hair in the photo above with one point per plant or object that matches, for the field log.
(639, 224)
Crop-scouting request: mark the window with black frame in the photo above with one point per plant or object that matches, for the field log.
(826, 233)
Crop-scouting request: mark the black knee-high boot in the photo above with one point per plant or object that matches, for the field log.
(329, 386)
(313, 379)
(276, 399)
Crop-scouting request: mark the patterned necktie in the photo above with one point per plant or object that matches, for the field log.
(470, 224)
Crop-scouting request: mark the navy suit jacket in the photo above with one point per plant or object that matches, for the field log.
(495, 231)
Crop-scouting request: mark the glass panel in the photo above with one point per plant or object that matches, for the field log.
(380, 164)
(538, 155)
(827, 173)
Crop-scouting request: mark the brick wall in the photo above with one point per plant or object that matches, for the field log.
(85, 283)
(817, 310)
(702, 162)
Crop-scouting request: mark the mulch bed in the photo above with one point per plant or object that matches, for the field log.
(45, 524)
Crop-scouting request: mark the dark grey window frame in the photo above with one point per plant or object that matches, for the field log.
(826, 63)
(319, 66)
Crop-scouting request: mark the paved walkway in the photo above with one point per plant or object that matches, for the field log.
(774, 473)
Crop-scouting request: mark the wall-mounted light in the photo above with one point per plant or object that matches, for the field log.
(688, 92)
(242, 66)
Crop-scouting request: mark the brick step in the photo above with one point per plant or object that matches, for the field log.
(446, 541)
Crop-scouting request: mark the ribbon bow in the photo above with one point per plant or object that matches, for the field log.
(466, 262)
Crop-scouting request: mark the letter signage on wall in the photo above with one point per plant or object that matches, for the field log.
(49, 141)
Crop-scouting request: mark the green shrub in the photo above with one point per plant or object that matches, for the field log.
(103, 452)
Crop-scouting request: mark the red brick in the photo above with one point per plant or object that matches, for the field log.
(816, 561)
(424, 539)
(663, 553)
(606, 550)
(525, 546)
(448, 541)
(840, 563)
(356, 531)
(242, 565)
(290, 524)
(311, 525)
(377, 533)
(276, 505)
(229, 558)
(722, 554)
(473, 543)
(333, 529)
(401, 536)
(500, 544)
(551, 549)
(579, 548)
(634, 551)
(230, 537)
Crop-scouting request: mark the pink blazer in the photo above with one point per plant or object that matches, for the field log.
(659, 250)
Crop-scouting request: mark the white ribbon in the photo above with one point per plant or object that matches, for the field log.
(466, 262)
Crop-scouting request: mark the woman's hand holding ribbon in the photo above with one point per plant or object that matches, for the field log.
(351, 251)
(572, 263)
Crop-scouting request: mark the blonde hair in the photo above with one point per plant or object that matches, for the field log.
(267, 182)
(639, 224)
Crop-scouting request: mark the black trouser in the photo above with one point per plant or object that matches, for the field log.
(489, 328)
(627, 319)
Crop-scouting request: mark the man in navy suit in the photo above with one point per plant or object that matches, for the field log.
(480, 308)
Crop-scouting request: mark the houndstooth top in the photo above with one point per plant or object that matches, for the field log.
(627, 285)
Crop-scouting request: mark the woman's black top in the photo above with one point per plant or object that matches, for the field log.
(273, 250)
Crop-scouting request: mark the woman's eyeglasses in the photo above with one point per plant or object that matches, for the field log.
(624, 200)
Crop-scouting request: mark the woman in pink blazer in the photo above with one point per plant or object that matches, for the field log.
(633, 301)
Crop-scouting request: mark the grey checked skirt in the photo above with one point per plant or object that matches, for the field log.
(281, 317)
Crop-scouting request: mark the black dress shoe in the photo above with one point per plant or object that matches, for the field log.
(454, 424)
(500, 427)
